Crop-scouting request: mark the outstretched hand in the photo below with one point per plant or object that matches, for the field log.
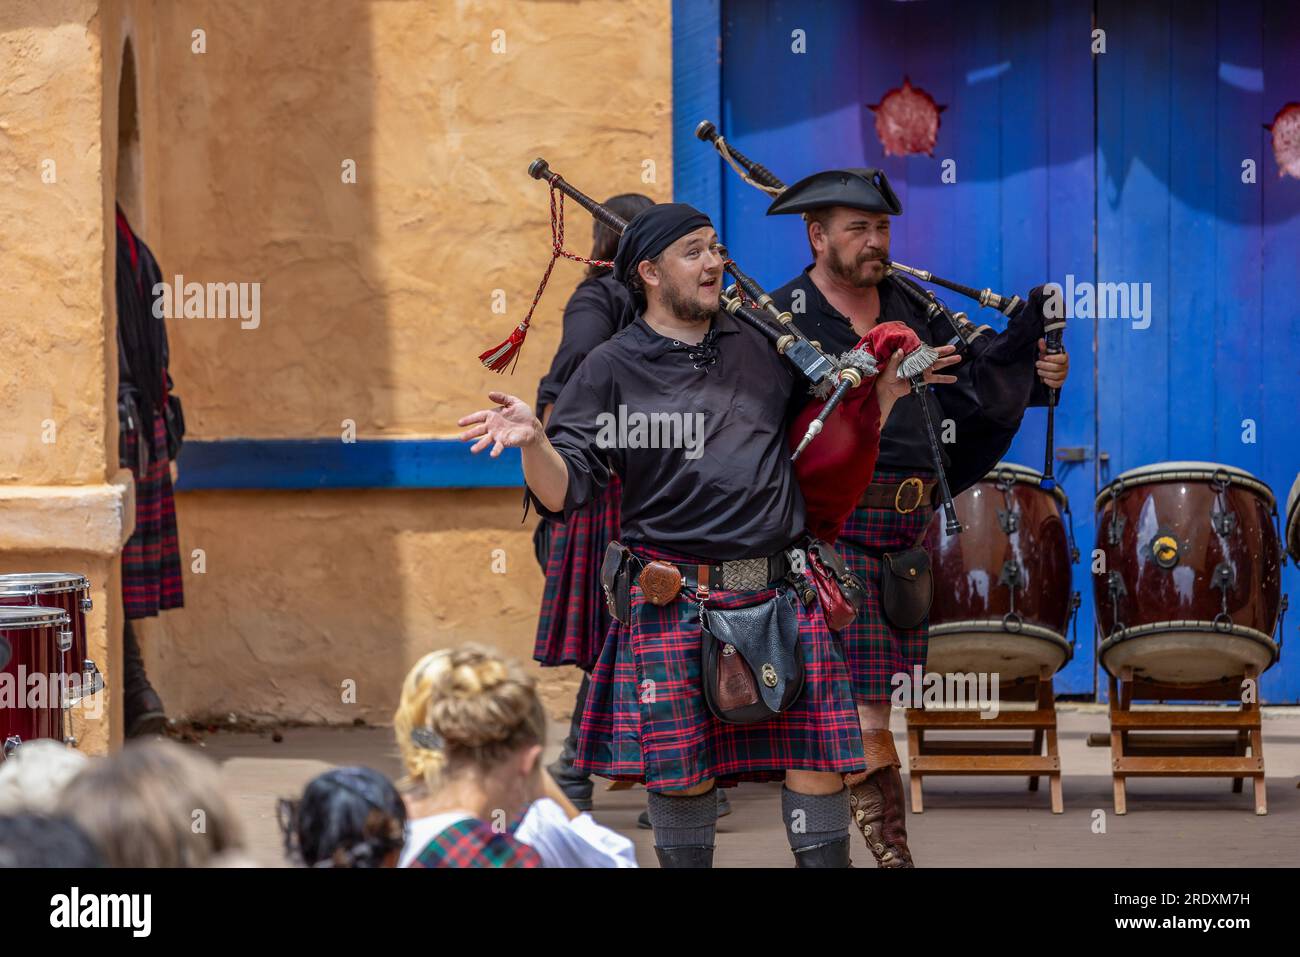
(511, 425)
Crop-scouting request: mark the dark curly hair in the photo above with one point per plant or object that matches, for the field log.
(347, 817)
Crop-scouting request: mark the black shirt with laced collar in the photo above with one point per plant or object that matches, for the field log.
(696, 433)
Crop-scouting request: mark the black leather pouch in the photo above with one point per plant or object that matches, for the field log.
(134, 444)
(616, 582)
(906, 587)
(174, 416)
(752, 663)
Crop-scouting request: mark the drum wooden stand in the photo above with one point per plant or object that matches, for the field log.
(1161, 743)
(976, 755)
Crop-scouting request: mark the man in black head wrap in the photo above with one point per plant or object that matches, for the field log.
(690, 408)
(840, 297)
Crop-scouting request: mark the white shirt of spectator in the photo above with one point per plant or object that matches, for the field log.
(561, 842)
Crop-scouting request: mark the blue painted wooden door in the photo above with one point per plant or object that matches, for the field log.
(1185, 91)
(1016, 81)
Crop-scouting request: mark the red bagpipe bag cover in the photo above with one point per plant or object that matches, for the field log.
(835, 469)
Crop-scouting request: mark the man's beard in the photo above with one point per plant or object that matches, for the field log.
(686, 307)
(850, 273)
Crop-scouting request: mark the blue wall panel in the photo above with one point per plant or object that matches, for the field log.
(697, 88)
(1184, 92)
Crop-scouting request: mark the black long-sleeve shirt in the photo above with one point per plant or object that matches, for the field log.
(724, 488)
(996, 382)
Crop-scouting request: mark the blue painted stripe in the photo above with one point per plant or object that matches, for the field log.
(697, 95)
(332, 463)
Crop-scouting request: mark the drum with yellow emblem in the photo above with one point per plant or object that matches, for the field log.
(1191, 587)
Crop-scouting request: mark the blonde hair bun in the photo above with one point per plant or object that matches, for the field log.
(478, 706)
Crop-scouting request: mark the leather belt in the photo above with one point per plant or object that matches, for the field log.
(745, 574)
(902, 497)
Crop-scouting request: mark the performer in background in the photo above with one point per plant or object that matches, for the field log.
(713, 522)
(573, 621)
(836, 300)
(151, 429)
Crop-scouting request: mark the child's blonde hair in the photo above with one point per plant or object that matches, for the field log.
(464, 706)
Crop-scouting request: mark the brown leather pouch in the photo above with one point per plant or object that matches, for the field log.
(736, 685)
(660, 582)
(906, 587)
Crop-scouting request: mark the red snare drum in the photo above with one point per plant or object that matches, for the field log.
(31, 707)
(72, 594)
(1002, 599)
(1193, 585)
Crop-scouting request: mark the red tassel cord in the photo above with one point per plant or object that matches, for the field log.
(507, 353)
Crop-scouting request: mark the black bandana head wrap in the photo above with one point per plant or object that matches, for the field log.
(651, 231)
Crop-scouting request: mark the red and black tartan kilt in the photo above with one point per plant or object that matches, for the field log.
(876, 649)
(646, 719)
(151, 560)
(574, 620)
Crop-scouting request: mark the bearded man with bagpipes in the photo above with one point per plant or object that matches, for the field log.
(850, 287)
(721, 665)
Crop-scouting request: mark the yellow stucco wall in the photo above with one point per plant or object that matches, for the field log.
(54, 334)
(376, 299)
(303, 592)
(377, 295)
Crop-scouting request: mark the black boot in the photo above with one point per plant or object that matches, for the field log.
(831, 854)
(697, 857)
(141, 707)
(576, 786)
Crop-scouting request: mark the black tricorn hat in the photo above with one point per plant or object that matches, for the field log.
(867, 189)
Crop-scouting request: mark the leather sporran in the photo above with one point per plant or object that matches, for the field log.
(752, 663)
(839, 591)
(906, 587)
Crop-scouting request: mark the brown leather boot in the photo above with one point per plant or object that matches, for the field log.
(876, 799)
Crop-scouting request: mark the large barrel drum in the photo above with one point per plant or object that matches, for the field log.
(1002, 599)
(1293, 520)
(1191, 589)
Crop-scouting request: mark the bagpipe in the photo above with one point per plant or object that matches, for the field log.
(835, 477)
(964, 331)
